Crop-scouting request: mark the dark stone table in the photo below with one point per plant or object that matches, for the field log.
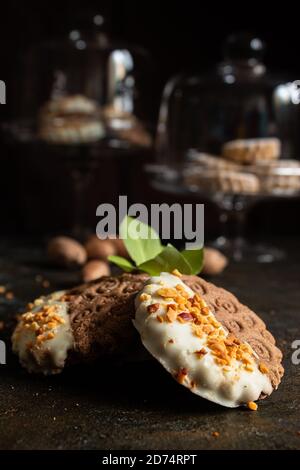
(139, 406)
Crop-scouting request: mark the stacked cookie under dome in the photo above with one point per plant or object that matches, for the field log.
(71, 119)
(247, 166)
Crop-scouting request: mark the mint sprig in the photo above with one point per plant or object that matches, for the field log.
(149, 255)
(141, 241)
(167, 260)
(123, 263)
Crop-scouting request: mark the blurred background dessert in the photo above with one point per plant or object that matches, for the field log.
(100, 106)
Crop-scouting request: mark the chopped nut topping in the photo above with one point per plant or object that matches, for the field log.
(197, 331)
(263, 368)
(175, 272)
(182, 291)
(152, 308)
(41, 321)
(144, 297)
(180, 319)
(205, 310)
(194, 310)
(201, 353)
(180, 376)
(40, 338)
(171, 315)
(167, 292)
(172, 306)
(252, 406)
(186, 316)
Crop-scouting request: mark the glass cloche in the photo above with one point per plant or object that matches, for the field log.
(231, 135)
(239, 99)
(85, 87)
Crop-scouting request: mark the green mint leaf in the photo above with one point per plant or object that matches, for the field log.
(194, 258)
(141, 241)
(167, 260)
(122, 263)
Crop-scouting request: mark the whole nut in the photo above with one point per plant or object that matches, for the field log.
(95, 269)
(214, 262)
(120, 247)
(99, 249)
(67, 252)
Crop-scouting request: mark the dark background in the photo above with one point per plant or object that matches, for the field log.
(181, 36)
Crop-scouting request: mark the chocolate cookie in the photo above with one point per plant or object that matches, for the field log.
(95, 320)
(101, 313)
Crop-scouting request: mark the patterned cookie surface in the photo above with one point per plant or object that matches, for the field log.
(101, 315)
(242, 322)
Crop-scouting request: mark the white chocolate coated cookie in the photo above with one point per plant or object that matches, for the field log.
(179, 329)
(43, 335)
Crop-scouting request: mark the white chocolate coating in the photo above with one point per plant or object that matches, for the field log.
(175, 345)
(43, 335)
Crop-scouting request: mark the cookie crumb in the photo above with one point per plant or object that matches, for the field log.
(2, 289)
(2, 325)
(215, 434)
(46, 283)
(252, 406)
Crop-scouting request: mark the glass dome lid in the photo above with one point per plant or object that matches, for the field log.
(86, 87)
(239, 99)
